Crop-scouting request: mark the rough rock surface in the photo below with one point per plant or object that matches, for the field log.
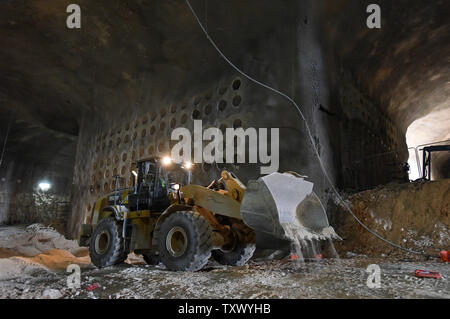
(413, 215)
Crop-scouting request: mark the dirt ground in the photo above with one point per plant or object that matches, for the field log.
(44, 275)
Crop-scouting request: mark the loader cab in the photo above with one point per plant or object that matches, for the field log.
(155, 180)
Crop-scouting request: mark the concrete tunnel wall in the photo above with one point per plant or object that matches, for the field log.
(138, 69)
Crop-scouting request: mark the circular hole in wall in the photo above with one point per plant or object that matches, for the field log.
(133, 155)
(116, 159)
(136, 123)
(126, 139)
(113, 185)
(123, 170)
(172, 144)
(173, 123)
(222, 90)
(206, 167)
(173, 109)
(237, 100)
(237, 123)
(119, 130)
(108, 161)
(152, 130)
(184, 118)
(105, 187)
(222, 105)
(144, 132)
(208, 109)
(162, 126)
(153, 116)
(162, 112)
(161, 147)
(151, 149)
(141, 152)
(124, 157)
(101, 163)
(195, 114)
(115, 171)
(236, 84)
(118, 141)
(134, 135)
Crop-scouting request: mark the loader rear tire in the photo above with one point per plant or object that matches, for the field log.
(185, 241)
(106, 247)
(238, 256)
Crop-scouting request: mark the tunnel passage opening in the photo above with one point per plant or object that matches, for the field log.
(430, 130)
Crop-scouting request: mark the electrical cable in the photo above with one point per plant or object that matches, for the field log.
(309, 134)
(6, 139)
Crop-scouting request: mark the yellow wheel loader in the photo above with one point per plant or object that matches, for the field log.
(167, 219)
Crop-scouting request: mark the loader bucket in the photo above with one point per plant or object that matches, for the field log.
(281, 207)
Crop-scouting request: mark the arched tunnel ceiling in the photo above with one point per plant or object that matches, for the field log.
(405, 65)
(51, 75)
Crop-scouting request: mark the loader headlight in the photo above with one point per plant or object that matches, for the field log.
(166, 161)
(188, 165)
(176, 187)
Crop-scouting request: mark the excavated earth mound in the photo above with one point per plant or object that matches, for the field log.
(413, 215)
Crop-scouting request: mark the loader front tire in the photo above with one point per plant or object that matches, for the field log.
(185, 241)
(239, 255)
(106, 247)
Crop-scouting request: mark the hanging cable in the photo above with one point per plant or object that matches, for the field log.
(6, 138)
(322, 166)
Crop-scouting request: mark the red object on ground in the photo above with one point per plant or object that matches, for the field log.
(92, 287)
(293, 257)
(445, 256)
(427, 274)
(319, 256)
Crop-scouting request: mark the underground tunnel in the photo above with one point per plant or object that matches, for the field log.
(81, 106)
